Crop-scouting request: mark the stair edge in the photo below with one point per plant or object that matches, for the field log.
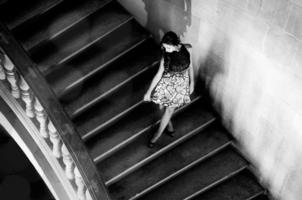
(216, 183)
(61, 93)
(34, 15)
(109, 92)
(159, 152)
(182, 170)
(123, 144)
(57, 34)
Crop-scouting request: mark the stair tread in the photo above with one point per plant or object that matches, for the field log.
(125, 68)
(16, 12)
(75, 71)
(199, 145)
(142, 116)
(80, 36)
(199, 176)
(111, 105)
(238, 187)
(192, 117)
(57, 19)
(260, 196)
(119, 130)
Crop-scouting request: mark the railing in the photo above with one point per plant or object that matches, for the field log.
(21, 76)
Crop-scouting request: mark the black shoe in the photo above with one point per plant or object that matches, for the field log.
(170, 133)
(151, 144)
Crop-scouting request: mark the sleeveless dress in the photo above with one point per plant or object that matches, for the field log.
(172, 90)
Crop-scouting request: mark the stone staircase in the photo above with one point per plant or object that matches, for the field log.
(99, 62)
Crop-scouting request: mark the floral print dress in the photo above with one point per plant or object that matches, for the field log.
(173, 90)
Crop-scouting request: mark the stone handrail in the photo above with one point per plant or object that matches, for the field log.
(21, 76)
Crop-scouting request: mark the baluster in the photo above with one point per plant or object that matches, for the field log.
(41, 117)
(2, 72)
(27, 97)
(80, 184)
(12, 77)
(88, 196)
(67, 159)
(55, 139)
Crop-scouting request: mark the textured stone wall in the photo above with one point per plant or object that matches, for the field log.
(249, 52)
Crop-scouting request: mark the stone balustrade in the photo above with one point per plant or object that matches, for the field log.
(31, 105)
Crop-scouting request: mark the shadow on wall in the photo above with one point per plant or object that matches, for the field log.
(212, 69)
(177, 15)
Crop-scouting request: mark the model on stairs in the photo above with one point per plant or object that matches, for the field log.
(173, 83)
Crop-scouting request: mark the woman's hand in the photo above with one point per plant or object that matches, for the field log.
(147, 96)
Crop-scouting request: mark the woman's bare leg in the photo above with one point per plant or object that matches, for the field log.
(164, 122)
(170, 125)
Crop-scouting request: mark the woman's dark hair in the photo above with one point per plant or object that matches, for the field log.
(170, 38)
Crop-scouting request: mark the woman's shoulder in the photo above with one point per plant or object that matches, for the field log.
(187, 45)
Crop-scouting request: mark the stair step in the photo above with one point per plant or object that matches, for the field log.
(16, 12)
(55, 21)
(109, 145)
(215, 183)
(87, 33)
(136, 111)
(112, 77)
(135, 136)
(111, 105)
(142, 162)
(74, 72)
(194, 117)
(259, 196)
(177, 158)
(200, 175)
(123, 90)
(240, 186)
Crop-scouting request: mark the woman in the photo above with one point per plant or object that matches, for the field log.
(172, 85)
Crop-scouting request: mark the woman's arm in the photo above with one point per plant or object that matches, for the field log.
(191, 74)
(155, 80)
